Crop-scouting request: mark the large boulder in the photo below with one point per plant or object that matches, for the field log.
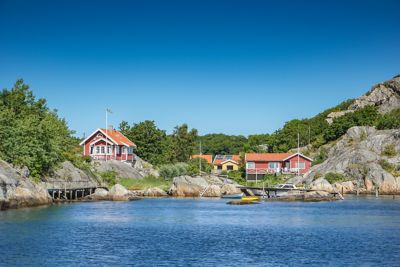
(212, 191)
(17, 191)
(99, 194)
(67, 175)
(122, 169)
(119, 193)
(322, 185)
(151, 192)
(187, 186)
(230, 189)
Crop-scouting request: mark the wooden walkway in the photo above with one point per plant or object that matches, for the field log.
(272, 192)
(62, 190)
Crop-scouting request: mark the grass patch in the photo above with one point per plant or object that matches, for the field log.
(389, 167)
(389, 151)
(145, 183)
(332, 177)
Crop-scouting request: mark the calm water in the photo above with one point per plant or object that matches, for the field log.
(354, 232)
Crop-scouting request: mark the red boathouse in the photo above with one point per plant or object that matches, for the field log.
(258, 164)
(110, 144)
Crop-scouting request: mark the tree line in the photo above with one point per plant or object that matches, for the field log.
(34, 136)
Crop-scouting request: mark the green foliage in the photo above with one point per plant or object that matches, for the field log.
(169, 171)
(145, 183)
(332, 177)
(109, 177)
(31, 135)
(386, 165)
(389, 120)
(221, 144)
(148, 138)
(237, 176)
(272, 179)
(194, 166)
(321, 157)
(367, 116)
(184, 142)
(389, 151)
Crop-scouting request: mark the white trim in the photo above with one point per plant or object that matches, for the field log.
(230, 160)
(301, 155)
(90, 136)
(101, 139)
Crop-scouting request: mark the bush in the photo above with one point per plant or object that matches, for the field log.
(272, 179)
(387, 166)
(321, 157)
(390, 120)
(194, 166)
(389, 151)
(335, 177)
(237, 176)
(110, 177)
(169, 171)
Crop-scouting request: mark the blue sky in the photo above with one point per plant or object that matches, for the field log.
(236, 67)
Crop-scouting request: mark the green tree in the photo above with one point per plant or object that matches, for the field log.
(184, 142)
(148, 138)
(31, 135)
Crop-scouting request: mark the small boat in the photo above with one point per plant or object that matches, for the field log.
(250, 198)
(233, 196)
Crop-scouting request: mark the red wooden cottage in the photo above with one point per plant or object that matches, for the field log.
(258, 164)
(108, 143)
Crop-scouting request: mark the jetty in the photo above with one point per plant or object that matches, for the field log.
(62, 190)
(273, 192)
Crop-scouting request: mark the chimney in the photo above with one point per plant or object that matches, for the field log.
(110, 128)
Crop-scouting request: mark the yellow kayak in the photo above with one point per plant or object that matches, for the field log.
(250, 198)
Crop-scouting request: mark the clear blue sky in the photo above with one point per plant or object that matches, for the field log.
(237, 67)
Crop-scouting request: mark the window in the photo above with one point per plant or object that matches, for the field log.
(108, 149)
(124, 150)
(301, 165)
(91, 150)
(97, 150)
(118, 150)
(219, 167)
(102, 150)
(273, 165)
(130, 150)
(229, 168)
(250, 165)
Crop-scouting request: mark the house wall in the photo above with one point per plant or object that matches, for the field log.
(293, 164)
(119, 156)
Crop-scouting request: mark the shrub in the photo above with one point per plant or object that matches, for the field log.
(387, 166)
(110, 177)
(335, 177)
(390, 120)
(237, 176)
(169, 171)
(389, 151)
(321, 157)
(272, 179)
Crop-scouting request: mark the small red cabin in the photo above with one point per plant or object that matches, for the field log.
(108, 144)
(258, 164)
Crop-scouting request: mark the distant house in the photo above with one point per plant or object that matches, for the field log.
(226, 163)
(206, 157)
(108, 143)
(258, 164)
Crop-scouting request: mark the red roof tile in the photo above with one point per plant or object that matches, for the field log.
(267, 156)
(118, 137)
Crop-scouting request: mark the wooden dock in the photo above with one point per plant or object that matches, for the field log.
(272, 192)
(61, 190)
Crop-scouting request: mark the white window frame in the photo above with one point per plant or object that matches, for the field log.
(299, 164)
(250, 165)
(275, 164)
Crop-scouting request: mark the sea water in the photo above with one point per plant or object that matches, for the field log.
(362, 231)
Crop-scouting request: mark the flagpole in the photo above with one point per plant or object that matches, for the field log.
(106, 132)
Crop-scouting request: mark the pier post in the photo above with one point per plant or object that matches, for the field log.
(376, 192)
(76, 194)
(59, 193)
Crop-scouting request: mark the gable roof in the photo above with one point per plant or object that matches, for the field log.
(115, 136)
(219, 159)
(208, 158)
(267, 156)
(272, 156)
